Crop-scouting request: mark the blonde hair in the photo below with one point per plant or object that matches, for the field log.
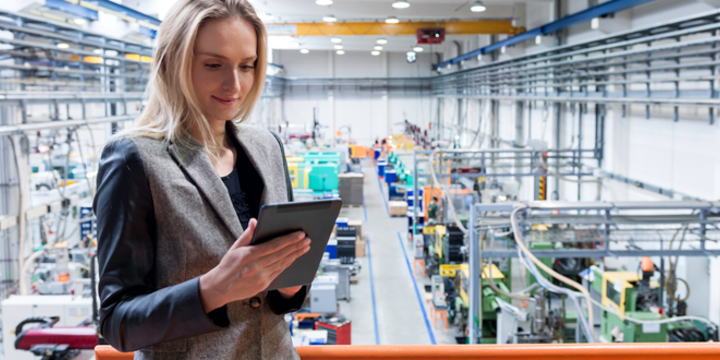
(172, 107)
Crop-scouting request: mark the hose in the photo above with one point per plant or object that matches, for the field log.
(491, 280)
(598, 181)
(446, 194)
(672, 279)
(521, 247)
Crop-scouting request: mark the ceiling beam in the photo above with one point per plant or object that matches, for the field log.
(384, 29)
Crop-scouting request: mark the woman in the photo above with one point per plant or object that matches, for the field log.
(178, 194)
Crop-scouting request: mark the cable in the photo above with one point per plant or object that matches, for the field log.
(598, 181)
(491, 280)
(521, 247)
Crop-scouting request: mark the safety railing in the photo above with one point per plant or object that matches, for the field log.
(654, 351)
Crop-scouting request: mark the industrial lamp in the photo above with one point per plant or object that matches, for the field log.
(400, 4)
(478, 7)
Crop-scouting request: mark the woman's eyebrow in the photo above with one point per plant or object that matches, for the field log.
(225, 57)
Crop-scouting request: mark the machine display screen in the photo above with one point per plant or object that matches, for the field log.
(611, 293)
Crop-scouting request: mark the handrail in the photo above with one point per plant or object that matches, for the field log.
(634, 351)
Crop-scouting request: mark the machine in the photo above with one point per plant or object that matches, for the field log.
(637, 296)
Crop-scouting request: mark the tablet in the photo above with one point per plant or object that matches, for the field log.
(315, 218)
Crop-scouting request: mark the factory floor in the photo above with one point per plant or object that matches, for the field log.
(389, 305)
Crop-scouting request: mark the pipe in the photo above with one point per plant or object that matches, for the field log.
(608, 7)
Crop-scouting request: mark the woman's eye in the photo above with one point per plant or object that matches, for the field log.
(212, 66)
(247, 67)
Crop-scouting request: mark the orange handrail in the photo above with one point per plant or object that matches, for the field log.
(654, 351)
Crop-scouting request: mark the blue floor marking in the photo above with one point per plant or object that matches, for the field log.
(372, 292)
(417, 292)
(382, 192)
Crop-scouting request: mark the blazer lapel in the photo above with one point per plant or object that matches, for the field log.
(195, 162)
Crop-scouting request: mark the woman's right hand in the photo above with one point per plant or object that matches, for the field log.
(246, 269)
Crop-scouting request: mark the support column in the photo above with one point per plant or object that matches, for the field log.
(519, 134)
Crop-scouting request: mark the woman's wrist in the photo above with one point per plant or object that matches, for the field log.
(209, 294)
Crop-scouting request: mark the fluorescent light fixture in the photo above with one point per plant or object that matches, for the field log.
(400, 4)
(329, 18)
(304, 51)
(410, 53)
(538, 40)
(340, 52)
(324, 2)
(595, 23)
(336, 40)
(80, 21)
(62, 45)
(375, 53)
(378, 48)
(98, 51)
(382, 41)
(502, 50)
(392, 20)
(418, 49)
(478, 7)
(338, 47)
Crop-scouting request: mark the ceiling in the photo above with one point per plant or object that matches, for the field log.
(279, 11)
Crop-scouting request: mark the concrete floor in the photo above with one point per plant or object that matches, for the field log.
(388, 305)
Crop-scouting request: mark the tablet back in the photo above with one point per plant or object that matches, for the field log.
(315, 218)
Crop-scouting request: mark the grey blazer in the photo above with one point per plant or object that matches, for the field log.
(165, 218)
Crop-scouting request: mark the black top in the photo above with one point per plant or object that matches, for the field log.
(245, 187)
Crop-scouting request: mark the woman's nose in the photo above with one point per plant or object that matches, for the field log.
(232, 81)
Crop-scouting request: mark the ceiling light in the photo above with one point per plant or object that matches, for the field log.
(338, 47)
(418, 49)
(382, 41)
(410, 53)
(98, 51)
(340, 52)
(478, 7)
(329, 18)
(336, 40)
(375, 53)
(538, 40)
(595, 23)
(63, 45)
(304, 51)
(502, 50)
(400, 4)
(378, 47)
(392, 20)
(80, 21)
(324, 2)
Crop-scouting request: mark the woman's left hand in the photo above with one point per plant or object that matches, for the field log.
(289, 292)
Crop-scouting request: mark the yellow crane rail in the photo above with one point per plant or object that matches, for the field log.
(402, 28)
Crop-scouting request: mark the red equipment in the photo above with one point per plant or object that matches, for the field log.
(54, 343)
(430, 35)
(339, 330)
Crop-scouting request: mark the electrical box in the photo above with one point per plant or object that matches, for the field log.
(430, 35)
(438, 291)
(323, 298)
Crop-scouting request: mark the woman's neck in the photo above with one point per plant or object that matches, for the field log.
(217, 131)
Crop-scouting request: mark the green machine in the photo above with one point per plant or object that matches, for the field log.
(631, 294)
(457, 277)
(323, 176)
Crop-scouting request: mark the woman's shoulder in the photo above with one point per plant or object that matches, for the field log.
(136, 141)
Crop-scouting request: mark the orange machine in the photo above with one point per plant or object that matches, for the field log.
(597, 351)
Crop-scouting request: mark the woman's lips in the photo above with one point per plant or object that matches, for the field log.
(225, 101)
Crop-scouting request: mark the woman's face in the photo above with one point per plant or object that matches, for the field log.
(223, 67)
